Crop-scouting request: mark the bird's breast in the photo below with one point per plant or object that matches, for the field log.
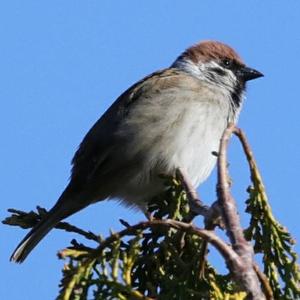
(178, 129)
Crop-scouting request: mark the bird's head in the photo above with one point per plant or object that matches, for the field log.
(217, 64)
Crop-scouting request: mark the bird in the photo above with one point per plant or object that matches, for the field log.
(173, 118)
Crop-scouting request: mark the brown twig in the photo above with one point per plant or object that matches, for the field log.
(245, 274)
(253, 170)
(264, 282)
(29, 220)
(230, 256)
(71, 228)
(196, 205)
(255, 176)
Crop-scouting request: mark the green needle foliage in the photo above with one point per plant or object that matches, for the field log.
(273, 241)
(150, 263)
(162, 262)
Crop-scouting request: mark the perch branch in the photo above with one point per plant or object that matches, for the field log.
(246, 274)
(232, 259)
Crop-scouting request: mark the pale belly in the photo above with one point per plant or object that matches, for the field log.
(185, 139)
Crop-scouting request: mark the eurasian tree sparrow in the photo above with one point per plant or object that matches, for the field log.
(173, 118)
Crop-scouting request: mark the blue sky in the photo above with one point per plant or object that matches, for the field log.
(62, 63)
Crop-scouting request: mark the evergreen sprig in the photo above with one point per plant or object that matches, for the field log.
(161, 258)
(155, 263)
(272, 240)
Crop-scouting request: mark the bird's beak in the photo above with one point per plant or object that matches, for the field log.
(246, 73)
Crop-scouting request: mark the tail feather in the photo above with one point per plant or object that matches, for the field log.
(35, 236)
(66, 205)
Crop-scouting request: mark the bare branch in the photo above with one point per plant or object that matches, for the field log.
(245, 274)
(232, 259)
(264, 282)
(29, 220)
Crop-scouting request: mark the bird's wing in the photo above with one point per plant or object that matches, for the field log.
(93, 154)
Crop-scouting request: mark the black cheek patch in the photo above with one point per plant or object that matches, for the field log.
(218, 71)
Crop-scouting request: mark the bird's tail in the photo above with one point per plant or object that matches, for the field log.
(34, 237)
(61, 210)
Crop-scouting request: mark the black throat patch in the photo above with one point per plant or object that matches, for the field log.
(237, 93)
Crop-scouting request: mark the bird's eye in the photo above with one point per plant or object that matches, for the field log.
(227, 63)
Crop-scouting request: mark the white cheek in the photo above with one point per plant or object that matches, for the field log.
(202, 72)
(230, 79)
(189, 67)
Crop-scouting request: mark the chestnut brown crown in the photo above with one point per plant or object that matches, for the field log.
(207, 51)
(211, 50)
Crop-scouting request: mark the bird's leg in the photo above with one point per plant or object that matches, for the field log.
(196, 205)
(212, 215)
(211, 221)
(149, 215)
